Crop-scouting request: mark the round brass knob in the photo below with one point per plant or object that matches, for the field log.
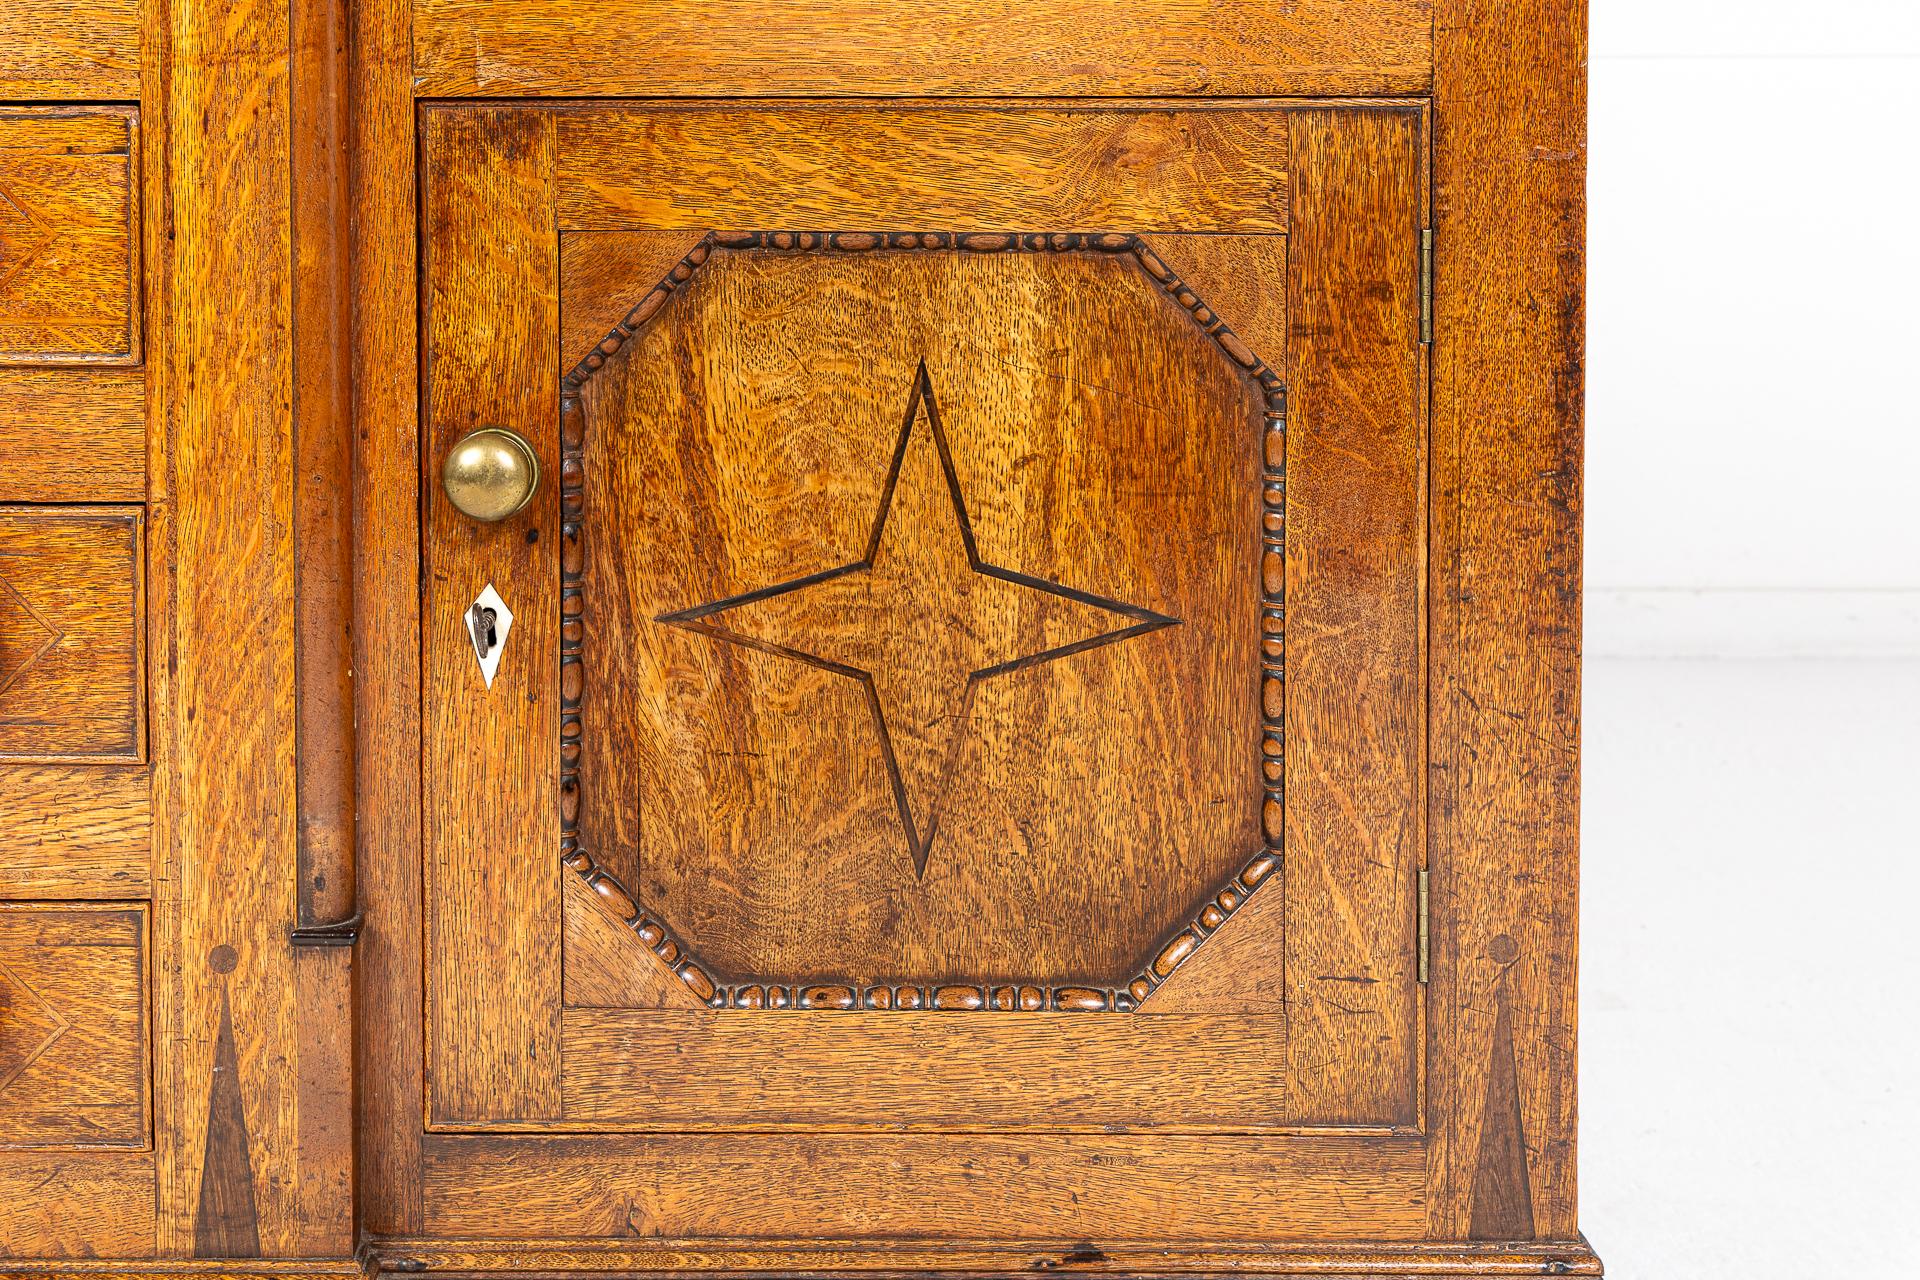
(491, 473)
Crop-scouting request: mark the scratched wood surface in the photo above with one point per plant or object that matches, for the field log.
(825, 793)
(72, 634)
(58, 49)
(69, 220)
(987, 47)
(845, 1186)
(493, 924)
(72, 435)
(75, 831)
(1136, 167)
(1510, 208)
(73, 1026)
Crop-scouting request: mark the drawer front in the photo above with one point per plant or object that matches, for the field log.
(69, 271)
(71, 686)
(73, 1038)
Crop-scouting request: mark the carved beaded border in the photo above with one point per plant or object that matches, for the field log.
(1173, 949)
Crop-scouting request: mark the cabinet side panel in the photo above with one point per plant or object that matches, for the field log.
(1508, 378)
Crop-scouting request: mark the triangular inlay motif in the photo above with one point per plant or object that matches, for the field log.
(29, 1026)
(25, 636)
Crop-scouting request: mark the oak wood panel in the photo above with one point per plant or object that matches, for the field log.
(390, 1053)
(658, 1071)
(1356, 471)
(1111, 787)
(69, 236)
(73, 435)
(971, 167)
(604, 964)
(492, 756)
(232, 1030)
(72, 682)
(989, 47)
(1510, 211)
(73, 1026)
(59, 49)
(604, 275)
(76, 1204)
(974, 1187)
(75, 831)
(1242, 277)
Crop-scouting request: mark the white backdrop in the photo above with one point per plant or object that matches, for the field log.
(1750, 1010)
(1753, 444)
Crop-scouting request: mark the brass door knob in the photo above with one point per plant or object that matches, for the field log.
(491, 473)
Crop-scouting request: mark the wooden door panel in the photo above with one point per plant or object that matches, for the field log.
(1057, 788)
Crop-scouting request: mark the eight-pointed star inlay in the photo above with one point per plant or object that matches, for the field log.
(920, 620)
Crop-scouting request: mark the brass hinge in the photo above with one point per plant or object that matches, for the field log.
(1423, 924)
(1426, 285)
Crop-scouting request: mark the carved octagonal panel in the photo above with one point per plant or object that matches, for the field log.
(922, 620)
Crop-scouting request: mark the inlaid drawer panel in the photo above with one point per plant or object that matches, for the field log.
(69, 262)
(73, 1037)
(71, 678)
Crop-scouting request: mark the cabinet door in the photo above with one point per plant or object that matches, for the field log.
(951, 728)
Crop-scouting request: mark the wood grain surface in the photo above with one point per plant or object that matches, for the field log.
(1510, 208)
(75, 831)
(71, 435)
(390, 1057)
(1356, 470)
(492, 755)
(679, 1071)
(791, 829)
(69, 236)
(1141, 167)
(604, 968)
(93, 1205)
(927, 1186)
(58, 49)
(231, 1024)
(73, 1026)
(636, 48)
(72, 634)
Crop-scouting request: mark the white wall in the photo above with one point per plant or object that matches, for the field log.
(1753, 445)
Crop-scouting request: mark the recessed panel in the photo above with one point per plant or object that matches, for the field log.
(921, 603)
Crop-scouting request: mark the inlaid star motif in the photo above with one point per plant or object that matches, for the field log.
(920, 621)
